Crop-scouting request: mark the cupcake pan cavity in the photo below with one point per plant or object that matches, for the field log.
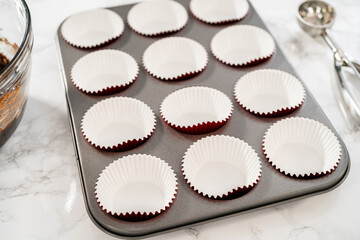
(219, 11)
(302, 147)
(157, 17)
(189, 208)
(104, 72)
(196, 110)
(118, 123)
(92, 28)
(136, 187)
(269, 92)
(220, 167)
(175, 58)
(242, 45)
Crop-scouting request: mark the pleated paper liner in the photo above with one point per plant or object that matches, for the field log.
(221, 167)
(301, 148)
(242, 45)
(196, 110)
(154, 18)
(118, 124)
(219, 11)
(104, 72)
(92, 28)
(175, 58)
(136, 187)
(269, 93)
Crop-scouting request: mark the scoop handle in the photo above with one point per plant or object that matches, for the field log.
(341, 61)
(339, 55)
(348, 97)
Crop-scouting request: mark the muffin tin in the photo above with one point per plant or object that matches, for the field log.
(189, 208)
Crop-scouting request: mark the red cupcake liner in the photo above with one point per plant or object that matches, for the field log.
(327, 136)
(180, 77)
(156, 8)
(124, 146)
(248, 63)
(138, 216)
(273, 114)
(197, 127)
(175, 42)
(201, 128)
(199, 153)
(105, 16)
(301, 176)
(108, 90)
(109, 41)
(225, 22)
(109, 105)
(235, 193)
(160, 34)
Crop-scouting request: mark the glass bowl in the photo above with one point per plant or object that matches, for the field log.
(16, 42)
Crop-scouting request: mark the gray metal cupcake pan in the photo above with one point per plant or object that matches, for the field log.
(166, 143)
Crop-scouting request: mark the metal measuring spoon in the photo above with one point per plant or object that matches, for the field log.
(315, 17)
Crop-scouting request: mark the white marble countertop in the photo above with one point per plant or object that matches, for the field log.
(40, 192)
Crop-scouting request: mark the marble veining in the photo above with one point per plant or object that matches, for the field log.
(40, 192)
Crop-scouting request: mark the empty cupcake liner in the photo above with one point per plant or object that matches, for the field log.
(196, 110)
(219, 167)
(219, 11)
(175, 58)
(92, 28)
(159, 17)
(269, 93)
(118, 124)
(301, 148)
(136, 187)
(104, 72)
(242, 45)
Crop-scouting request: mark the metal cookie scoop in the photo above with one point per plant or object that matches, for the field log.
(314, 18)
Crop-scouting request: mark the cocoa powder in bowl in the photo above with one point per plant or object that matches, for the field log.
(3, 61)
(7, 51)
(13, 100)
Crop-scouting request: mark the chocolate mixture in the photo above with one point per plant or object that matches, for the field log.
(13, 100)
(3, 61)
(7, 50)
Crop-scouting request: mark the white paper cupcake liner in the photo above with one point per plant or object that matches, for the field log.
(196, 110)
(104, 72)
(302, 148)
(242, 45)
(92, 28)
(136, 187)
(269, 93)
(159, 17)
(175, 58)
(118, 124)
(219, 11)
(221, 167)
